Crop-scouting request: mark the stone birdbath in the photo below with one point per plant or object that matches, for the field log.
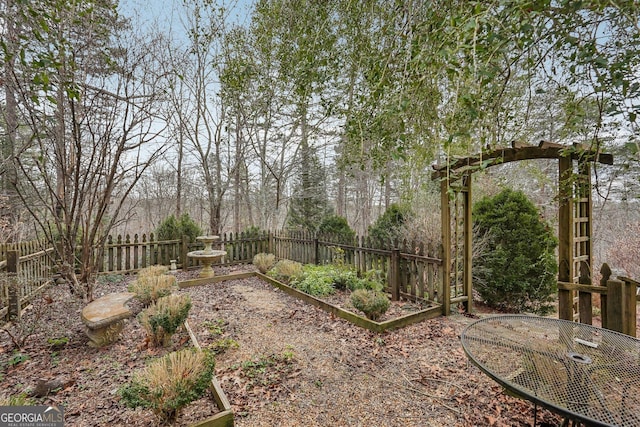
(207, 255)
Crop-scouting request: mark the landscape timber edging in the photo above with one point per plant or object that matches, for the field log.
(224, 418)
(363, 322)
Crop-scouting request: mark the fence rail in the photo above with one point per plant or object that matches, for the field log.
(619, 297)
(22, 278)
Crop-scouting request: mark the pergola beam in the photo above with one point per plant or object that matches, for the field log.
(520, 151)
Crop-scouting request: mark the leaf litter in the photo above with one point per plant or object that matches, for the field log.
(280, 362)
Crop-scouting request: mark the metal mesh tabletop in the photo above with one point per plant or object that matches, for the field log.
(580, 371)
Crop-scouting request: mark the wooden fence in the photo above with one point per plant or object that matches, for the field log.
(22, 277)
(128, 254)
(412, 270)
(618, 301)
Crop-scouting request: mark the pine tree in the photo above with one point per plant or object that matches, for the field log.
(309, 204)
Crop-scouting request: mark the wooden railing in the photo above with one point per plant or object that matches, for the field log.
(22, 278)
(618, 301)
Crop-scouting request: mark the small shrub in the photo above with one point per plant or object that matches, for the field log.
(264, 261)
(285, 270)
(15, 400)
(344, 278)
(149, 287)
(373, 304)
(170, 383)
(163, 318)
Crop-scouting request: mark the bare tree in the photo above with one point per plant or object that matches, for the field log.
(94, 120)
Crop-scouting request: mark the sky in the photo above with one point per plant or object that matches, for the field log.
(167, 12)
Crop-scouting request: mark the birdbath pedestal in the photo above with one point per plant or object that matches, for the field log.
(207, 255)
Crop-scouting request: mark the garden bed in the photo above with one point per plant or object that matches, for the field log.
(339, 305)
(86, 380)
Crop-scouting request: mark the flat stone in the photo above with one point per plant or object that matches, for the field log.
(106, 310)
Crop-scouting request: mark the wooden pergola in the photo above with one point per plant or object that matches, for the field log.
(574, 217)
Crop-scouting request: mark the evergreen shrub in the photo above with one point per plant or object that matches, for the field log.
(173, 228)
(163, 318)
(518, 270)
(373, 304)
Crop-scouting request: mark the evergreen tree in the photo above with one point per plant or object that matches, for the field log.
(389, 226)
(309, 204)
(173, 228)
(337, 226)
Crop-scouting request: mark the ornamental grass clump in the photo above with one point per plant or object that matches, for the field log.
(373, 304)
(170, 383)
(163, 318)
(285, 270)
(153, 270)
(150, 287)
(264, 262)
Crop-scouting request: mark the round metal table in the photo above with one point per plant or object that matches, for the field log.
(584, 373)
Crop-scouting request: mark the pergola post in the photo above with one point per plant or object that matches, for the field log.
(468, 243)
(445, 210)
(574, 217)
(565, 236)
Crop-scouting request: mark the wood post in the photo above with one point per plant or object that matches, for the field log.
(446, 246)
(565, 233)
(585, 298)
(468, 243)
(394, 274)
(12, 282)
(184, 248)
(621, 306)
(605, 271)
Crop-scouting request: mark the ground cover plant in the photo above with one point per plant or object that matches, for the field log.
(340, 282)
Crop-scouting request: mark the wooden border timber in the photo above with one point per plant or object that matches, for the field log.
(225, 417)
(363, 322)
